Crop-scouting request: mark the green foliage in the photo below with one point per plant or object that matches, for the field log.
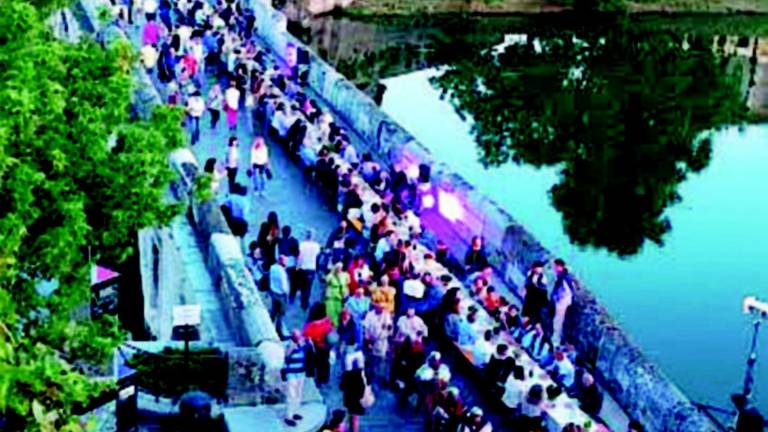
(623, 112)
(67, 199)
(171, 373)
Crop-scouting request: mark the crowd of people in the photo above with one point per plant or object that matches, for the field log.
(392, 307)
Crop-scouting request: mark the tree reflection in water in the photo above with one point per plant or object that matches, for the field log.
(625, 112)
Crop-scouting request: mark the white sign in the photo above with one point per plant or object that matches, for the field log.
(186, 315)
(126, 392)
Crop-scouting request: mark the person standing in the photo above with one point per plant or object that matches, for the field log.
(353, 384)
(562, 297)
(475, 260)
(149, 56)
(259, 165)
(335, 290)
(317, 329)
(195, 110)
(279, 287)
(233, 159)
(378, 327)
(215, 103)
(295, 371)
(535, 303)
(288, 246)
(306, 266)
(232, 100)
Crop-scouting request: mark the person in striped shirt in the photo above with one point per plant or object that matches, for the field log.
(295, 371)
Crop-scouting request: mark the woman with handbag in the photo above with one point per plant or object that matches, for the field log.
(358, 395)
(259, 165)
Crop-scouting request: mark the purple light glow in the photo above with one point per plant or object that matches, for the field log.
(450, 206)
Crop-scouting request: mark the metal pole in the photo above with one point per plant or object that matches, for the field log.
(749, 378)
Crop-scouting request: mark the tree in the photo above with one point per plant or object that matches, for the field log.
(78, 178)
(625, 113)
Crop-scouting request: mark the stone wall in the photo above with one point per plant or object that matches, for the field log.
(634, 382)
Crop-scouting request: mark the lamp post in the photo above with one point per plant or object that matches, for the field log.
(760, 311)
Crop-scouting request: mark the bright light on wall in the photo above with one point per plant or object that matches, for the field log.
(412, 171)
(428, 201)
(450, 206)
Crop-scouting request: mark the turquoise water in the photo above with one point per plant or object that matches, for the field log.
(680, 302)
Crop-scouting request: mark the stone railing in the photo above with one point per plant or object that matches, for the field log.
(634, 382)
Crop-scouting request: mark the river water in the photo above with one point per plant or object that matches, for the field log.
(680, 299)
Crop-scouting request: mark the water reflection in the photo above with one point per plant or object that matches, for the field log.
(625, 113)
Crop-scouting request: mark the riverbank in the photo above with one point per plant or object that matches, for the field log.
(407, 7)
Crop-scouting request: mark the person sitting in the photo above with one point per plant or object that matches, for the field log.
(491, 300)
(510, 318)
(475, 260)
(444, 258)
(589, 395)
(563, 371)
(498, 368)
(475, 422)
(531, 410)
(526, 326)
(537, 343)
(483, 350)
(458, 328)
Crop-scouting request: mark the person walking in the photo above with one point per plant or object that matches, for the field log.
(215, 104)
(306, 266)
(353, 385)
(232, 100)
(562, 297)
(233, 160)
(195, 110)
(279, 287)
(259, 165)
(295, 371)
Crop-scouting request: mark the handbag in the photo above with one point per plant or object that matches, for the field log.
(268, 172)
(368, 398)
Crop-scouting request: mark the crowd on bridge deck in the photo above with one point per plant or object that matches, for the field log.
(388, 299)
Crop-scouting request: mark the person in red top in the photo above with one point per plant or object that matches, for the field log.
(190, 64)
(317, 329)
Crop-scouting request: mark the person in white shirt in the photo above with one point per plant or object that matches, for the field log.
(232, 99)
(259, 165)
(150, 9)
(306, 266)
(279, 287)
(149, 57)
(411, 326)
(280, 123)
(483, 350)
(195, 110)
(385, 244)
(349, 154)
(564, 370)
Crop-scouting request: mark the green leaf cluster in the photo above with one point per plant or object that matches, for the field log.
(78, 178)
